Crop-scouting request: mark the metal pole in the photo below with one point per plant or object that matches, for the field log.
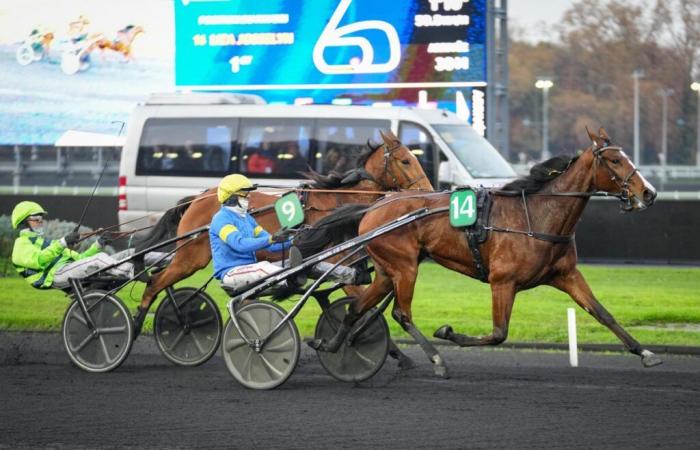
(665, 93)
(545, 123)
(636, 75)
(664, 127)
(697, 154)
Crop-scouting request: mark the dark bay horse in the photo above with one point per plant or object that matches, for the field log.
(392, 168)
(530, 244)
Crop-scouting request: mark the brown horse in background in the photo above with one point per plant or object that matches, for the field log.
(531, 243)
(392, 168)
(122, 42)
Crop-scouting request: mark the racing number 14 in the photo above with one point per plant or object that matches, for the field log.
(462, 208)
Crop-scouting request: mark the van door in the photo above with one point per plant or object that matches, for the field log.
(183, 156)
(421, 144)
(340, 141)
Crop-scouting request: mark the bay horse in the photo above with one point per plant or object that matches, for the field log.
(531, 243)
(393, 168)
(122, 42)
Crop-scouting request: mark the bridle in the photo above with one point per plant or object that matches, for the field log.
(625, 194)
(389, 155)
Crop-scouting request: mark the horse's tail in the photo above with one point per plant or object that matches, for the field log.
(167, 225)
(337, 227)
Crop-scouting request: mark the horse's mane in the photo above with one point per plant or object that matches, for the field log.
(541, 174)
(336, 179)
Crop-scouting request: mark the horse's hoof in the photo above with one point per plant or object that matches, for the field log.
(442, 372)
(316, 344)
(406, 363)
(649, 359)
(444, 332)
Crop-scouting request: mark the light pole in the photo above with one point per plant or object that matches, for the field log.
(636, 75)
(545, 84)
(696, 87)
(665, 93)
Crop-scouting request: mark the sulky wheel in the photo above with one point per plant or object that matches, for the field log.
(365, 355)
(107, 346)
(191, 337)
(276, 359)
(70, 63)
(25, 55)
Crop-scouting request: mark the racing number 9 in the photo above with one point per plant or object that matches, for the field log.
(289, 210)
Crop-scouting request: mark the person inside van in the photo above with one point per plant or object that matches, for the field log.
(262, 160)
(46, 263)
(235, 236)
(294, 162)
(336, 156)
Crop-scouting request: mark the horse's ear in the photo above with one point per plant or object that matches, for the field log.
(593, 137)
(603, 134)
(388, 137)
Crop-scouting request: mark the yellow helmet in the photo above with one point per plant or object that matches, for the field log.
(233, 185)
(23, 210)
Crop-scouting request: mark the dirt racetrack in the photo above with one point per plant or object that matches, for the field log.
(495, 399)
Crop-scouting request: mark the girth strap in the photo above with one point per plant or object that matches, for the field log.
(478, 233)
(482, 273)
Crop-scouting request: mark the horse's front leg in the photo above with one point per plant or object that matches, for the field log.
(502, 298)
(576, 286)
(404, 361)
(186, 261)
(379, 288)
(404, 288)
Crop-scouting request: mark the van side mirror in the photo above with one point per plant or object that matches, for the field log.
(443, 158)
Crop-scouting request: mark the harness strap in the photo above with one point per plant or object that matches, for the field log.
(482, 273)
(554, 238)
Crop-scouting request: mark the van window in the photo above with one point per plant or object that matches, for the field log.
(186, 147)
(339, 141)
(421, 144)
(475, 153)
(276, 148)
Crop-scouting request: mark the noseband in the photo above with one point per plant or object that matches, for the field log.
(625, 194)
(388, 155)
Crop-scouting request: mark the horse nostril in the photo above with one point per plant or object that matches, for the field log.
(649, 196)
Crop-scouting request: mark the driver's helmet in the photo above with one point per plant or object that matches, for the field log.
(25, 209)
(235, 184)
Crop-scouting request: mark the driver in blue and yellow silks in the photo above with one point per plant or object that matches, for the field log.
(235, 236)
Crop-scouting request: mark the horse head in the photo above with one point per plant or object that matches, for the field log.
(395, 167)
(614, 173)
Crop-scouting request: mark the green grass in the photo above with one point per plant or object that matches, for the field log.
(635, 296)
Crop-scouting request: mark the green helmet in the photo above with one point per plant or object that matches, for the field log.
(24, 210)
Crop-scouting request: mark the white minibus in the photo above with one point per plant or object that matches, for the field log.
(180, 144)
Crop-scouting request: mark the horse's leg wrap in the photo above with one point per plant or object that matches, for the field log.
(446, 332)
(333, 345)
(336, 341)
(439, 366)
(138, 320)
(405, 362)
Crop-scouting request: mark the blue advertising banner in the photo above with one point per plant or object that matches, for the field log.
(329, 44)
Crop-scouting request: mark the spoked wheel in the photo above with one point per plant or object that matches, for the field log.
(275, 361)
(363, 356)
(191, 337)
(107, 346)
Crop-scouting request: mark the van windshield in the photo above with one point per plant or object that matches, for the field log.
(475, 153)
